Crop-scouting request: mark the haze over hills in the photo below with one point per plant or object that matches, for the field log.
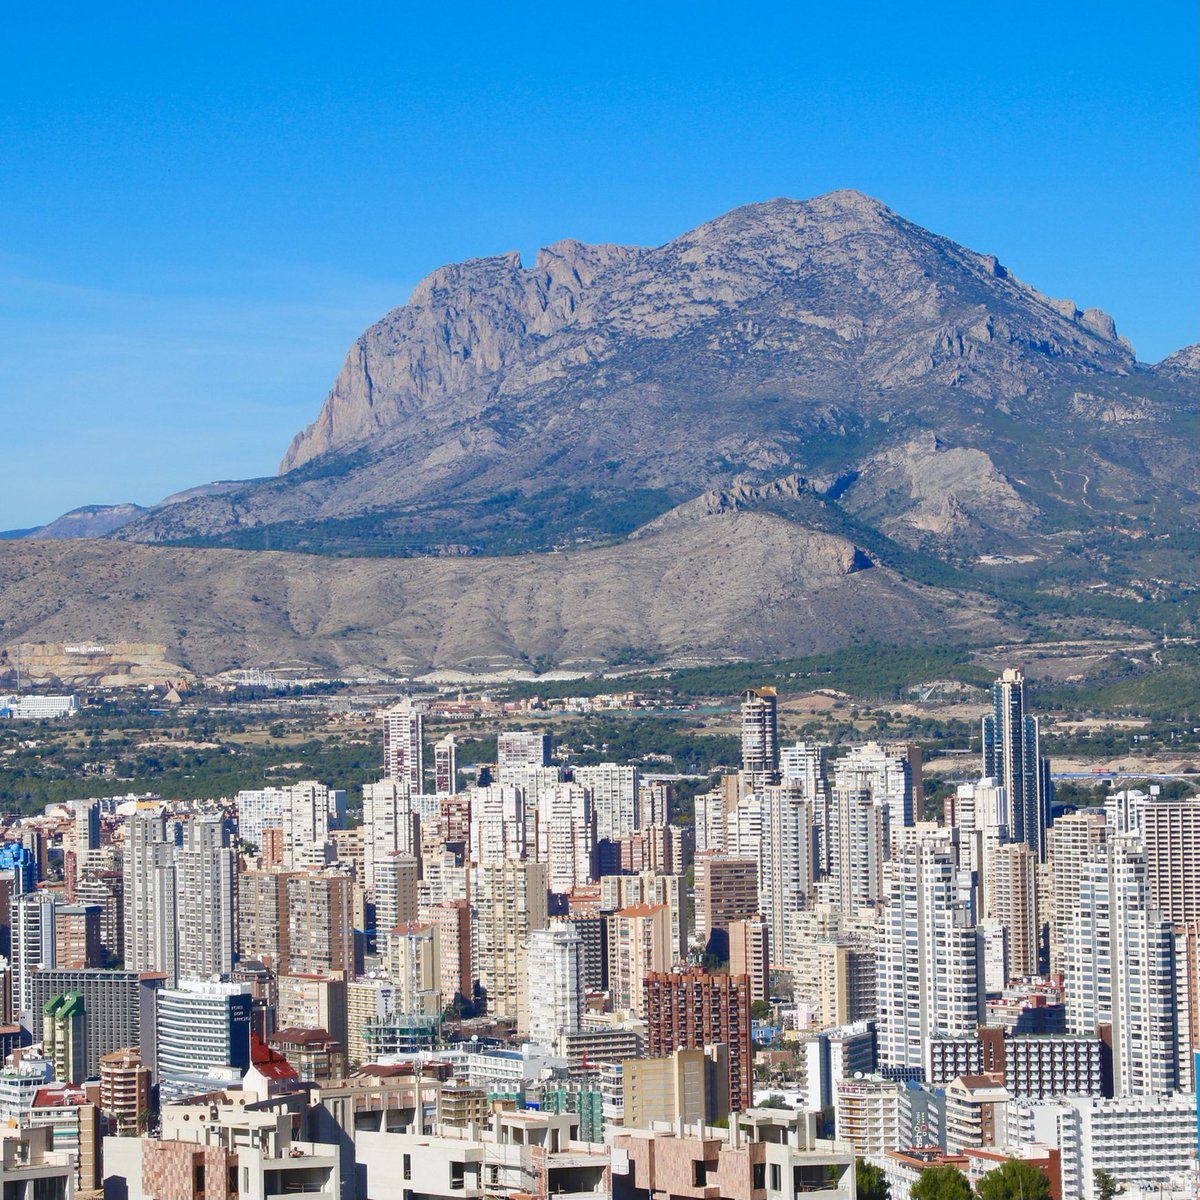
(824, 366)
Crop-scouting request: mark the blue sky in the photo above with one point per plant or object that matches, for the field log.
(201, 207)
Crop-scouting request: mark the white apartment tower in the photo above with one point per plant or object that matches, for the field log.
(149, 865)
(390, 826)
(498, 825)
(305, 819)
(566, 836)
(403, 746)
(1073, 839)
(205, 873)
(785, 866)
(1120, 967)
(615, 800)
(929, 963)
(555, 983)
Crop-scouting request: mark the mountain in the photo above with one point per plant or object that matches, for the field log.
(801, 424)
(917, 387)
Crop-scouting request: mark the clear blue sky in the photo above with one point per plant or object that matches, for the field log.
(201, 206)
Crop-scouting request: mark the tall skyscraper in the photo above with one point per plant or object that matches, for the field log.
(566, 836)
(857, 848)
(1010, 899)
(498, 825)
(929, 962)
(1120, 967)
(615, 800)
(390, 826)
(306, 819)
(404, 746)
(263, 918)
(205, 870)
(555, 982)
(150, 925)
(760, 742)
(1171, 834)
(321, 933)
(1073, 840)
(445, 765)
(33, 943)
(1012, 756)
(510, 902)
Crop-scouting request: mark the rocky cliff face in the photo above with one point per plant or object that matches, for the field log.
(835, 286)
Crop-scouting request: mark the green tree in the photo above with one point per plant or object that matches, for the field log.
(1015, 1180)
(1104, 1185)
(869, 1183)
(941, 1183)
(760, 1010)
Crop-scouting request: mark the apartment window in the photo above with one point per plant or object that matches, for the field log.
(698, 1174)
(408, 1166)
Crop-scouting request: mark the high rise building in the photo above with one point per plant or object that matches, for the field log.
(639, 945)
(33, 944)
(1171, 835)
(119, 1007)
(520, 749)
(1012, 756)
(322, 937)
(404, 746)
(263, 918)
(257, 809)
(498, 826)
(510, 901)
(149, 862)
(891, 773)
(750, 954)
(859, 837)
(105, 889)
(205, 870)
(694, 1009)
(615, 800)
(929, 962)
(1072, 840)
(760, 743)
(86, 818)
(726, 890)
(395, 894)
(306, 819)
(554, 982)
(453, 920)
(77, 936)
(391, 825)
(414, 963)
(1010, 898)
(445, 765)
(64, 1037)
(785, 861)
(202, 1036)
(566, 836)
(1120, 968)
